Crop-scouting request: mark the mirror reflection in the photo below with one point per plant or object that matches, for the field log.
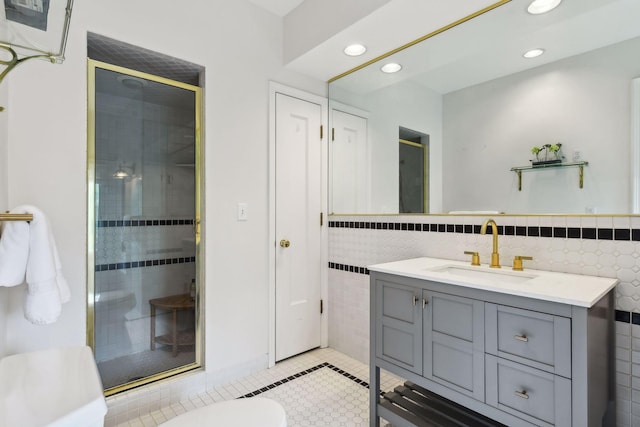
(471, 125)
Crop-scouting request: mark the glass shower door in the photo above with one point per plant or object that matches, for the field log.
(143, 218)
(412, 177)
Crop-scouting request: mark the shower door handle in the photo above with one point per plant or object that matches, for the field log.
(196, 226)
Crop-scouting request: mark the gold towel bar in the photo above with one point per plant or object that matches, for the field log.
(15, 217)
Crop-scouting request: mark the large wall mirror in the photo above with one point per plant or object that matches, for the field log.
(460, 121)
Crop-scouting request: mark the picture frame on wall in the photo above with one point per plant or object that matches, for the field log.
(32, 13)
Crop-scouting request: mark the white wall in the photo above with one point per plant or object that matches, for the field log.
(241, 47)
(3, 201)
(582, 102)
(414, 107)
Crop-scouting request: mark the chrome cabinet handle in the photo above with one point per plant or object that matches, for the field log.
(523, 394)
(424, 303)
(522, 338)
(415, 300)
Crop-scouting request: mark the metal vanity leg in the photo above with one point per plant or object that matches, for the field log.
(152, 319)
(175, 332)
(374, 395)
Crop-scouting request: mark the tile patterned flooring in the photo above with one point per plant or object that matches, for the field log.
(320, 388)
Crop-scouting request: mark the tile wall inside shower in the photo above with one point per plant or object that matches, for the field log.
(144, 231)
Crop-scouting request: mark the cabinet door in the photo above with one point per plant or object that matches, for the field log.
(399, 325)
(453, 342)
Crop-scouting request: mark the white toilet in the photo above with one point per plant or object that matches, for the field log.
(57, 387)
(248, 412)
(112, 308)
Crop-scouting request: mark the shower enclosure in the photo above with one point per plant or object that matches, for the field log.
(143, 203)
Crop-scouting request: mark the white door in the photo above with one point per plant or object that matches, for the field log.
(349, 165)
(298, 172)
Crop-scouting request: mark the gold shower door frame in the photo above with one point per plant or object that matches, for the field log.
(92, 66)
(425, 172)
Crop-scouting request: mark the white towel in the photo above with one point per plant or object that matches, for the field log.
(14, 251)
(46, 289)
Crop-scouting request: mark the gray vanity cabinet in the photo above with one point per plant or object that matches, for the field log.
(435, 335)
(539, 340)
(528, 364)
(399, 326)
(453, 342)
(531, 394)
(517, 360)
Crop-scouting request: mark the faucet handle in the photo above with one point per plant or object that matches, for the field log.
(475, 258)
(517, 261)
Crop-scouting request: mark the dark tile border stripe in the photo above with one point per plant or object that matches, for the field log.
(349, 268)
(305, 372)
(623, 316)
(627, 317)
(146, 263)
(591, 233)
(142, 222)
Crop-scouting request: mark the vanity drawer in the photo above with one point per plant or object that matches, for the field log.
(540, 340)
(536, 396)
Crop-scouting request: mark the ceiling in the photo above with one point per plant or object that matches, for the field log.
(394, 24)
(278, 7)
(477, 51)
(480, 50)
(126, 55)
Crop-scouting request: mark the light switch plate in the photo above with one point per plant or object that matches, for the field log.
(243, 212)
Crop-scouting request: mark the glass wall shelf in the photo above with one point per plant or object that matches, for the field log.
(520, 169)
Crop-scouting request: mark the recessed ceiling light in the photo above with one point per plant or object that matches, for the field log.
(533, 53)
(542, 6)
(131, 82)
(391, 67)
(121, 174)
(355, 50)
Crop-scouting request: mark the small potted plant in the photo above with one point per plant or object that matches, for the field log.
(554, 149)
(536, 152)
(547, 154)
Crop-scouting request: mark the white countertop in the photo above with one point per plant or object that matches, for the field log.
(564, 288)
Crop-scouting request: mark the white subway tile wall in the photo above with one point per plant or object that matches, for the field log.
(600, 246)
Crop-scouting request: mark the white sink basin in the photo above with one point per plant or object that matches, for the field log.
(54, 388)
(491, 275)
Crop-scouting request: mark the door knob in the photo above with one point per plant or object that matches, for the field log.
(285, 243)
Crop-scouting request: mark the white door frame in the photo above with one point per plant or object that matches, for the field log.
(324, 255)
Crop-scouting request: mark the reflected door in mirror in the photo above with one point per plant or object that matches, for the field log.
(350, 163)
(413, 164)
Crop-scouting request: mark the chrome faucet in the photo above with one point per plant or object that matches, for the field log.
(495, 257)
